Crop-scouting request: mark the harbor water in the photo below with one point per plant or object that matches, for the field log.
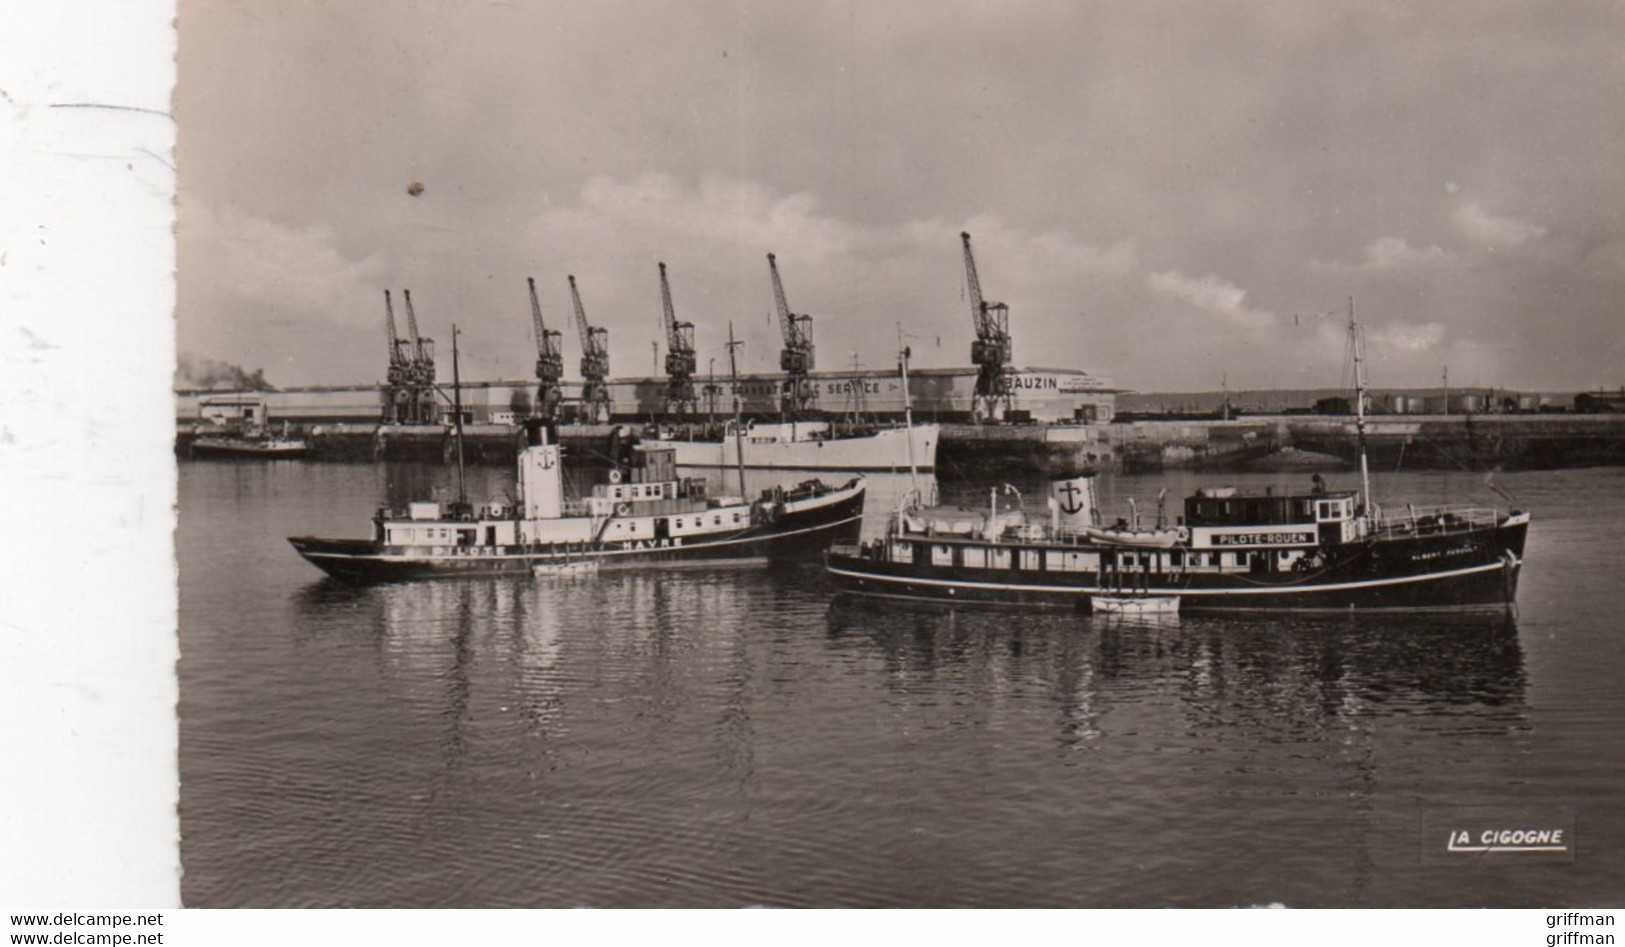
(732, 737)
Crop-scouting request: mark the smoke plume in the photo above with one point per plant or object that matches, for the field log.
(212, 374)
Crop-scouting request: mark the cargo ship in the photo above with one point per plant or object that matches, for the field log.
(809, 445)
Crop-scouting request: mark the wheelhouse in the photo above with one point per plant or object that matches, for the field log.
(1224, 506)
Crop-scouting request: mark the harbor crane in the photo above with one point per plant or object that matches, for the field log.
(991, 351)
(397, 393)
(595, 404)
(680, 360)
(410, 393)
(549, 361)
(798, 393)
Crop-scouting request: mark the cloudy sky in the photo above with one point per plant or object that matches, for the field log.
(1165, 193)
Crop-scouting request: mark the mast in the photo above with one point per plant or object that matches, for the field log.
(908, 409)
(739, 424)
(1357, 344)
(457, 409)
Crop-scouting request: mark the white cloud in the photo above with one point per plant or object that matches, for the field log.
(1395, 252)
(858, 279)
(1211, 294)
(1494, 232)
(267, 265)
(1606, 261)
(1410, 336)
(731, 210)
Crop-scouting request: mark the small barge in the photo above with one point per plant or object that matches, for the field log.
(256, 442)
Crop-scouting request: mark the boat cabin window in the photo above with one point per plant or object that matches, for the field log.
(1031, 560)
(942, 555)
(974, 558)
(1330, 511)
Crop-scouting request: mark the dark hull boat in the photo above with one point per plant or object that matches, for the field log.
(643, 517)
(1457, 560)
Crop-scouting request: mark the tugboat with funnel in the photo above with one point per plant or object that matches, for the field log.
(1314, 550)
(643, 515)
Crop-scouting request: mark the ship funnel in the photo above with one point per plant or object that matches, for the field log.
(1074, 501)
(541, 481)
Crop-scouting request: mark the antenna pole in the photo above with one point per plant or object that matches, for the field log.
(457, 415)
(1357, 343)
(739, 424)
(908, 409)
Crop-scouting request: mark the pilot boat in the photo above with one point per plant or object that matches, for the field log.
(1310, 550)
(641, 515)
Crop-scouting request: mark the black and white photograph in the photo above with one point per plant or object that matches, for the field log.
(822, 454)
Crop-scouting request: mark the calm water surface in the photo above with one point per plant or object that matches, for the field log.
(731, 738)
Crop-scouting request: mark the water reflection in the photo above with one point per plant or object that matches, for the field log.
(1274, 681)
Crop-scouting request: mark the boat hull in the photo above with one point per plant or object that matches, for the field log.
(801, 533)
(887, 449)
(1473, 571)
(264, 450)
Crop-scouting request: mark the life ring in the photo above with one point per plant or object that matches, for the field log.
(1183, 534)
(621, 509)
(614, 475)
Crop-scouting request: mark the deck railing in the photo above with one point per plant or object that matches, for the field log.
(1439, 521)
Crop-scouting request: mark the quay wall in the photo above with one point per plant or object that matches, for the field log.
(1443, 442)
(1471, 441)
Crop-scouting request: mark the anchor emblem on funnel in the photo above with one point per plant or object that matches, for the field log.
(1070, 504)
